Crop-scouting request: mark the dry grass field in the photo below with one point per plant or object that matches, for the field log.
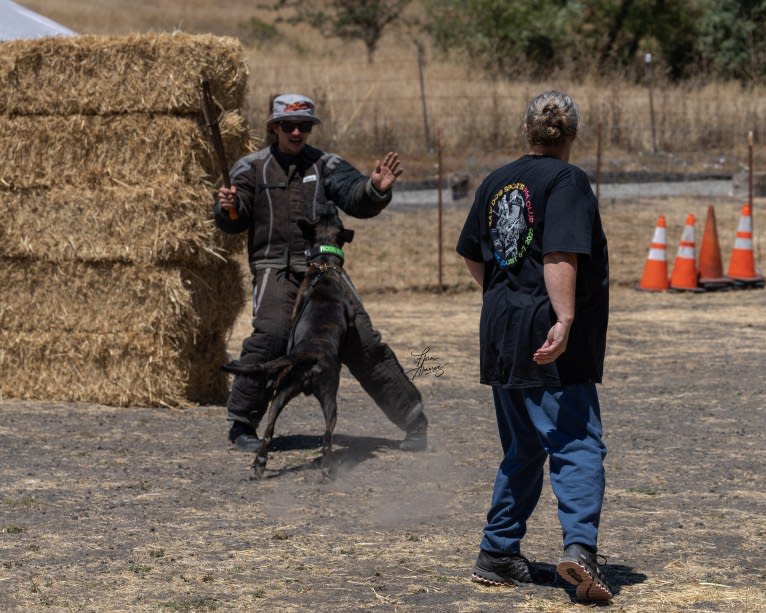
(140, 509)
(366, 110)
(400, 249)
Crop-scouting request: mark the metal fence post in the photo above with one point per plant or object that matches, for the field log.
(648, 62)
(439, 207)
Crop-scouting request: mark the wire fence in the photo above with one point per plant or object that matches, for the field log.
(414, 107)
(437, 112)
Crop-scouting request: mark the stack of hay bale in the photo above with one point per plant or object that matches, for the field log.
(115, 285)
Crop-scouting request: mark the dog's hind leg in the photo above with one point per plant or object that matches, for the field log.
(328, 399)
(275, 408)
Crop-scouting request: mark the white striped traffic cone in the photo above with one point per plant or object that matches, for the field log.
(655, 277)
(684, 276)
(742, 263)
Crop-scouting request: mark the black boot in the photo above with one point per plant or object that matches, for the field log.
(416, 438)
(579, 566)
(243, 437)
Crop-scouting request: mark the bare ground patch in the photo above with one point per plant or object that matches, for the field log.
(106, 509)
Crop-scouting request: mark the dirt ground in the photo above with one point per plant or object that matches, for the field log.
(105, 509)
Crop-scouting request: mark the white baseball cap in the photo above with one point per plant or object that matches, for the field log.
(293, 107)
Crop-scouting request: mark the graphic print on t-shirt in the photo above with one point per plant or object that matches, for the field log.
(510, 220)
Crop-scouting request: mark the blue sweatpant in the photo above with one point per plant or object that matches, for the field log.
(564, 425)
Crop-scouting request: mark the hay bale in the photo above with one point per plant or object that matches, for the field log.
(117, 334)
(84, 150)
(162, 221)
(118, 289)
(105, 297)
(103, 369)
(102, 75)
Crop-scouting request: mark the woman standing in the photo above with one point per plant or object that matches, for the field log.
(272, 189)
(533, 240)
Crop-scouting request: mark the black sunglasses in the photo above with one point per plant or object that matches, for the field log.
(288, 126)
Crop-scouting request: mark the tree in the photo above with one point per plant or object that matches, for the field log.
(516, 36)
(363, 20)
(731, 40)
(506, 37)
(666, 28)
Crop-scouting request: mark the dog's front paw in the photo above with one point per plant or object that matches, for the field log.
(327, 473)
(259, 467)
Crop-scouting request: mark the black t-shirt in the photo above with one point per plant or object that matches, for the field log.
(531, 207)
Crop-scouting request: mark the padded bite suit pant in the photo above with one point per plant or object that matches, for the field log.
(564, 425)
(368, 358)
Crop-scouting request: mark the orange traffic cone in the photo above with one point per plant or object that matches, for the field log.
(742, 263)
(684, 275)
(655, 277)
(710, 266)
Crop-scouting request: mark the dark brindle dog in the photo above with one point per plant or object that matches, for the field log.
(321, 317)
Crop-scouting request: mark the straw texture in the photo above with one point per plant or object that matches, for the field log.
(117, 287)
(104, 75)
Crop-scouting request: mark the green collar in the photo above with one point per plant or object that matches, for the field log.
(331, 249)
(324, 250)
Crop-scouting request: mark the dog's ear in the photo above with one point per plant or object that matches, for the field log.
(308, 229)
(327, 208)
(345, 236)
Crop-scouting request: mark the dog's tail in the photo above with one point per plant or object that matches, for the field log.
(245, 366)
(293, 369)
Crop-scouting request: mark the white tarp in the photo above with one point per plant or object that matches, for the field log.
(19, 22)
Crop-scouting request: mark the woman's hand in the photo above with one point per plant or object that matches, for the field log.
(555, 344)
(386, 172)
(227, 196)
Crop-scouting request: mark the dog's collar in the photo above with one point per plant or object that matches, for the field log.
(323, 267)
(315, 252)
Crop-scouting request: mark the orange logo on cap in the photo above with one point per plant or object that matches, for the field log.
(297, 106)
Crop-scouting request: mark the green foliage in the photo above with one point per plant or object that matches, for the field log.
(518, 38)
(506, 37)
(624, 31)
(687, 38)
(257, 31)
(731, 39)
(362, 20)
